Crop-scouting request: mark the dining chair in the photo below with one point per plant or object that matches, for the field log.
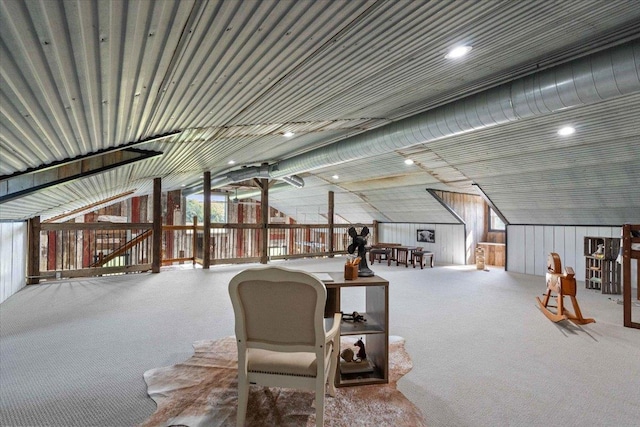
(281, 336)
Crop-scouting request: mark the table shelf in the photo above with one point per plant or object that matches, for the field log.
(374, 332)
(359, 328)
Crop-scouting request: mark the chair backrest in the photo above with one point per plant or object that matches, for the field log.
(277, 306)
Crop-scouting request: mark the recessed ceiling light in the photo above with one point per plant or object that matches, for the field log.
(458, 52)
(335, 177)
(408, 162)
(231, 162)
(288, 134)
(567, 130)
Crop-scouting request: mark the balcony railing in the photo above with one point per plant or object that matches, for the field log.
(90, 249)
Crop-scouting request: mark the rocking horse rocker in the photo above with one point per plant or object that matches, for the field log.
(563, 285)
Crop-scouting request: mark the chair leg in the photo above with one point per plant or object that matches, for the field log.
(331, 380)
(319, 405)
(243, 400)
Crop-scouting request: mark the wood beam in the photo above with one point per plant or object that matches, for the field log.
(97, 153)
(330, 216)
(16, 186)
(91, 207)
(206, 256)
(264, 220)
(33, 251)
(156, 246)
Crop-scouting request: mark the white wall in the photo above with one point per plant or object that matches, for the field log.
(13, 258)
(529, 245)
(449, 247)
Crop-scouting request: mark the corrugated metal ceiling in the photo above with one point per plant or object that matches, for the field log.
(232, 76)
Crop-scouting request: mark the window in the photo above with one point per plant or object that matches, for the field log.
(495, 223)
(195, 207)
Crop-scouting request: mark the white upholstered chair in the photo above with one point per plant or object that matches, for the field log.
(280, 332)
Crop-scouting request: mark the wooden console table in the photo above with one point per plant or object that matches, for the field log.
(374, 332)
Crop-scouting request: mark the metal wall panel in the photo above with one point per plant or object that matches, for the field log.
(13, 258)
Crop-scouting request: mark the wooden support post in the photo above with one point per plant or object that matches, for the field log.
(626, 278)
(52, 250)
(264, 199)
(376, 240)
(330, 217)
(206, 240)
(156, 246)
(33, 251)
(194, 239)
(239, 232)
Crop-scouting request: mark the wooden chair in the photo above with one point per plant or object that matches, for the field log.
(563, 285)
(280, 334)
(380, 254)
(419, 257)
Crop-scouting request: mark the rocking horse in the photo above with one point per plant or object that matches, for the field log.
(563, 285)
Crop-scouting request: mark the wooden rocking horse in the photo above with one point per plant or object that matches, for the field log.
(563, 285)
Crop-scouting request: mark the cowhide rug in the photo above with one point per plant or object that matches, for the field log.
(202, 391)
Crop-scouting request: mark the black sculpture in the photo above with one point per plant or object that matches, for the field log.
(359, 244)
(362, 354)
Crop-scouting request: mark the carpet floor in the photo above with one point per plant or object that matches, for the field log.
(202, 391)
(73, 352)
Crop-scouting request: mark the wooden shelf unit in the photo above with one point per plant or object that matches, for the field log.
(374, 332)
(602, 273)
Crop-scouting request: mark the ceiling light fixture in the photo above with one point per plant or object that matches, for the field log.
(565, 131)
(408, 162)
(335, 177)
(288, 134)
(231, 162)
(458, 52)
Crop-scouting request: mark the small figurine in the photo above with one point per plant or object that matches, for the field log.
(362, 354)
(599, 253)
(353, 317)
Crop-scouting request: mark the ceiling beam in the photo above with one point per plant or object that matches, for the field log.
(88, 208)
(26, 183)
(97, 153)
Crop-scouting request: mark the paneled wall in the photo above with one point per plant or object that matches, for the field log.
(449, 246)
(13, 258)
(473, 210)
(529, 245)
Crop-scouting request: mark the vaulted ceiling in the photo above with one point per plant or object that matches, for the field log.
(100, 97)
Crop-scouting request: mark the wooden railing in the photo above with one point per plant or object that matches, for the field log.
(80, 250)
(90, 249)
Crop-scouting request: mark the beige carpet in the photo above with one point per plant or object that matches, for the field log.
(202, 391)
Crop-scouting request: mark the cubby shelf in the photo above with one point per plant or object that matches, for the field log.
(374, 332)
(602, 271)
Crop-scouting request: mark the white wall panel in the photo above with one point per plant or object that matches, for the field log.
(558, 243)
(516, 248)
(529, 255)
(540, 261)
(449, 247)
(571, 252)
(13, 252)
(568, 242)
(579, 237)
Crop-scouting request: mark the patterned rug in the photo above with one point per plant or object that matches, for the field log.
(202, 391)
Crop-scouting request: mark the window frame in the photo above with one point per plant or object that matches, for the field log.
(490, 222)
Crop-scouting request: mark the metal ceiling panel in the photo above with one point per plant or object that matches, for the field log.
(232, 76)
(531, 173)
